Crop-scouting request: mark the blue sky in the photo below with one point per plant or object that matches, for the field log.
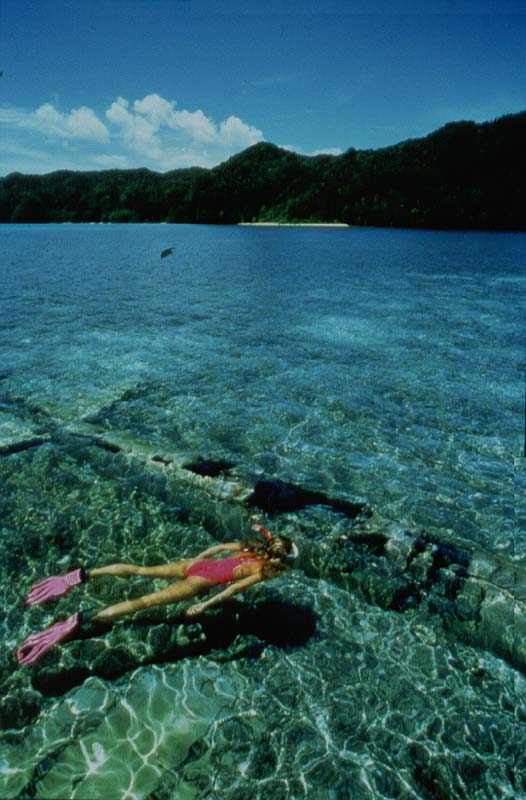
(95, 84)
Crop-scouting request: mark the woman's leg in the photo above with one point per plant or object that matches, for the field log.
(175, 569)
(184, 590)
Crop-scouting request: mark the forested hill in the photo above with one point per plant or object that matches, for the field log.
(464, 175)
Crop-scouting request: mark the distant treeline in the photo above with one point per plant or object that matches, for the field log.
(464, 175)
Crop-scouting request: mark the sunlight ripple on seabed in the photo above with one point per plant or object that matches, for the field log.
(345, 363)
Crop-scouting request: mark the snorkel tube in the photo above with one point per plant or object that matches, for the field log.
(263, 531)
(294, 553)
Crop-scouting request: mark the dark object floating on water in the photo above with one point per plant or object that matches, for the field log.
(277, 497)
(208, 467)
(168, 251)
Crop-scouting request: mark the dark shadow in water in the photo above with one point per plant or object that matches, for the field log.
(273, 622)
(19, 447)
(209, 467)
(277, 497)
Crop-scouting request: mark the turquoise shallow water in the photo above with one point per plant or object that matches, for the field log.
(374, 365)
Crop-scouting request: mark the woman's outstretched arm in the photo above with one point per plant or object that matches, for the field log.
(233, 589)
(218, 548)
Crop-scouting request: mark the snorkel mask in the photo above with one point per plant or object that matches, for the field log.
(294, 553)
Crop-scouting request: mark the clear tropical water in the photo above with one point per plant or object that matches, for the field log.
(375, 365)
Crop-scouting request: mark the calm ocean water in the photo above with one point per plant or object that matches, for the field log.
(378, 365)
(383, 364)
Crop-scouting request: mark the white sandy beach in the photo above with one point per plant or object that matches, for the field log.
(297, 224)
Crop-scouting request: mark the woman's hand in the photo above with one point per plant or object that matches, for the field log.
(196, 609)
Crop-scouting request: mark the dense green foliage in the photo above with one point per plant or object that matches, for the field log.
(465, 175)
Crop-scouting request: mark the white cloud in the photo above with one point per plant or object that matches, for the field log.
(323, 151)
(196, 125)
(160, 113)
(81, 124)
(134, 129)
(328, 151)
(156, 129)
(118, 112)
(155, 108)
(153, 113)
(235, 133)
(17, 156)
(150, 131)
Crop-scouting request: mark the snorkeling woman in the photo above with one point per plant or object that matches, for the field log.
(253, 562)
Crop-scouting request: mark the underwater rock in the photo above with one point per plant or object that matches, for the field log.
(276, 497)
(25, 444)
(162, 459)
(104, 445)
(480, 597)
(208, 467)
(62, 436)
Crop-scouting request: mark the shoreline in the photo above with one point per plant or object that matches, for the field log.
(296, 224)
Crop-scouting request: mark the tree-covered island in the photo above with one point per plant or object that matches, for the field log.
(464, 175)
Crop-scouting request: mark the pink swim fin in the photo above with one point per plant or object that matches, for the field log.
(54, 586)
(37, 644)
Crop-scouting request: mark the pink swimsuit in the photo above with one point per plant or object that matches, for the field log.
(220, 570)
